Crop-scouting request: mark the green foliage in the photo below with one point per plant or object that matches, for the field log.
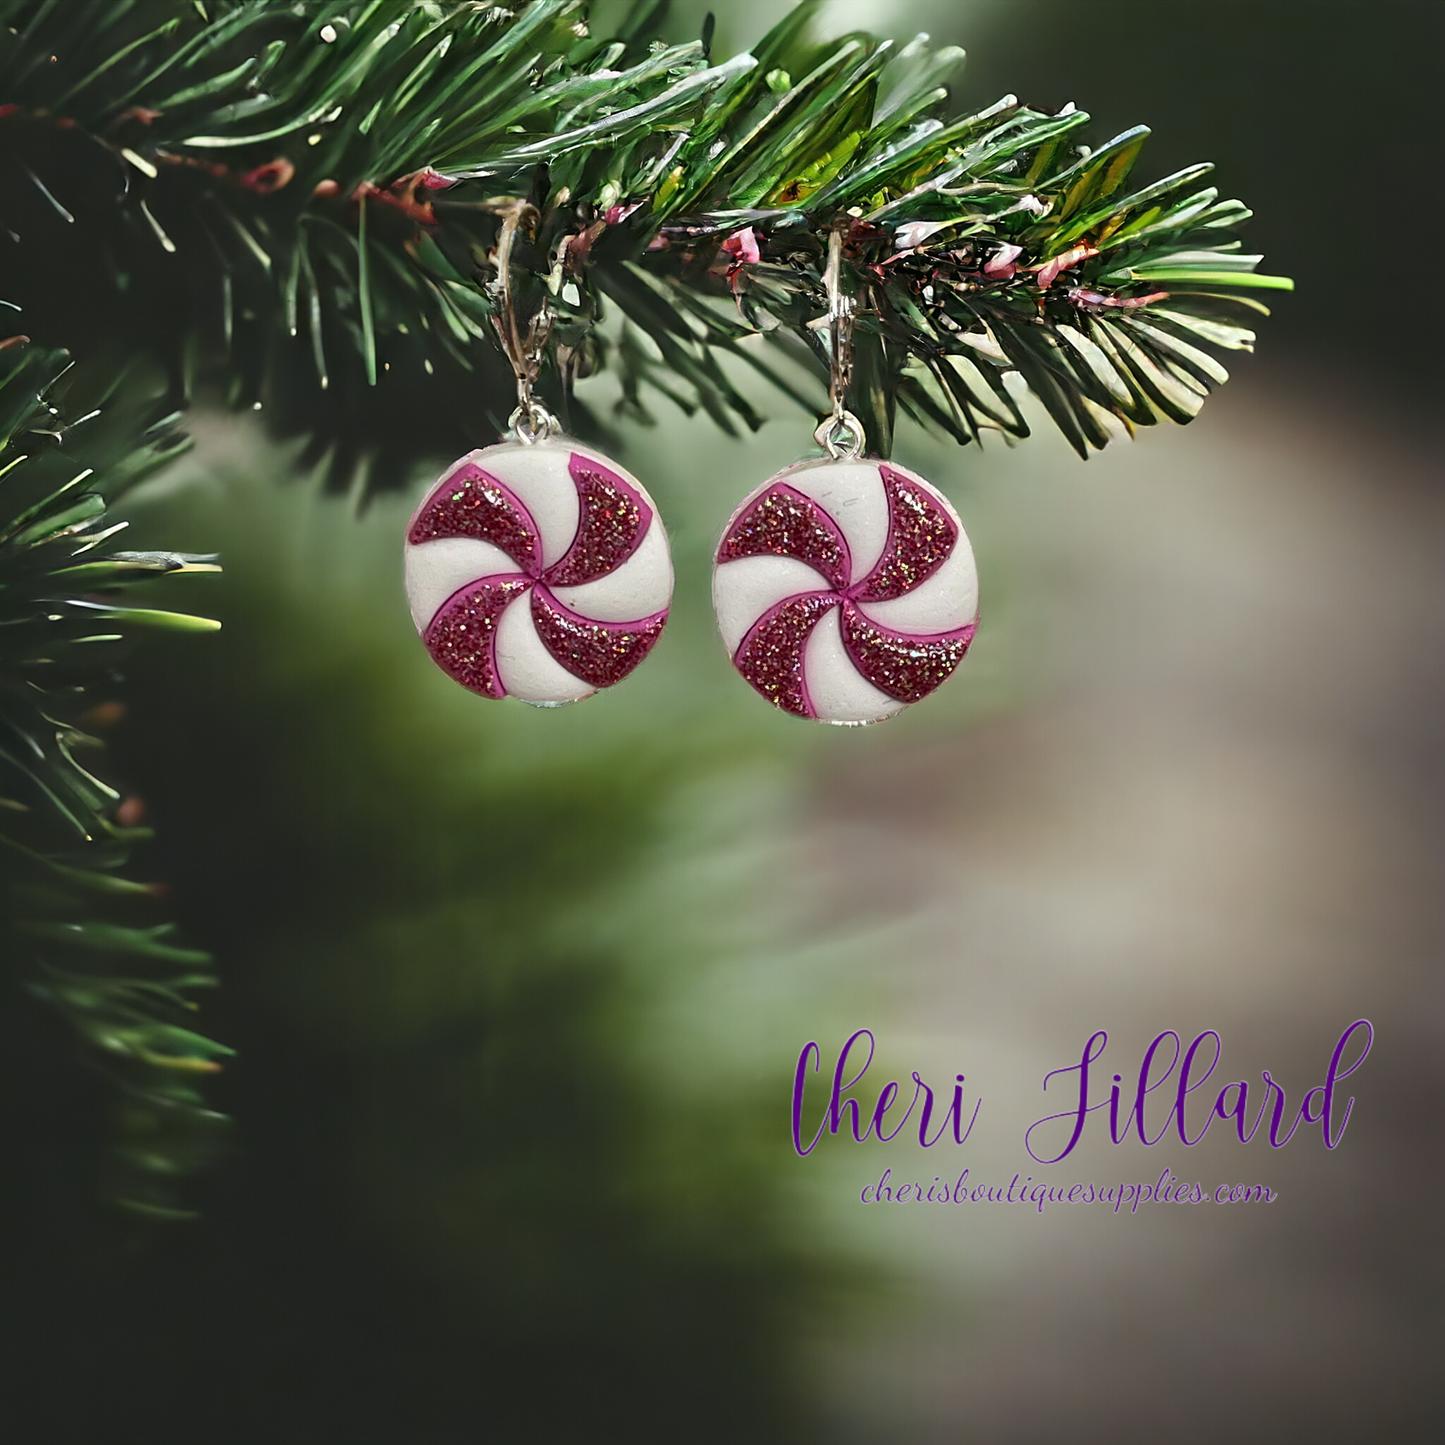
(78, 933)
(982, 249)
(313, 189)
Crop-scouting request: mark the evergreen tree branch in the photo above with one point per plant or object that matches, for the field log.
(79, 933)
(315, 188)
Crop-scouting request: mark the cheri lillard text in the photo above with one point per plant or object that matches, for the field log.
(1157, 1099)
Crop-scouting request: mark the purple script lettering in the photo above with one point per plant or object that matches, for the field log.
(809, 1061)
(1319, 1105)
(1080, 1113)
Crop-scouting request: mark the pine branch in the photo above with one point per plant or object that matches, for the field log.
(79, 933)
(313, 188)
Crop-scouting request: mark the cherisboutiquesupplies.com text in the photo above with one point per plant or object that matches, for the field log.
(1035, 1195)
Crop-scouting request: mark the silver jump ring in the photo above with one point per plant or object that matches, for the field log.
(841, 435)
(532, 422)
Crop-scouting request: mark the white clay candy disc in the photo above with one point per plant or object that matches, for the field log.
(845, 590)
(537, 571)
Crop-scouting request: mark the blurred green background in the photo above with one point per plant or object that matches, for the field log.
(516, 995)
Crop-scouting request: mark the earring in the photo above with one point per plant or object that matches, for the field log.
(845, 586)
(536, 568)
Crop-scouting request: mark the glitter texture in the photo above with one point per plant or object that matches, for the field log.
(462, 637)
(771, 655)
(600, 653)
(473, 504)
(920, 537)
(904, 665)
(782, 522)
(613, 519)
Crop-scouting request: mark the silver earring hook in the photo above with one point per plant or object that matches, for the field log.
(840, 433)
(531, 421)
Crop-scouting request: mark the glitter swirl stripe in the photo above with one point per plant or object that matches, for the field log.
(920, 537)
(782, 522)
(470, 636)
(860, 643)
(771, 655)
(600, 653)
(462, 637)
(476, 505)
(904, 665)
(612, 521)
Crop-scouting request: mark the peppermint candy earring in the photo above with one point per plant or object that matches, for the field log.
(536, 568)
(845, 587)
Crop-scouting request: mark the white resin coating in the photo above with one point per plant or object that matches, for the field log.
(840, 693)
(526, 668)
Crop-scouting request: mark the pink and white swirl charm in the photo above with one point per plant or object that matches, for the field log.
(538, 570)
(845, 589)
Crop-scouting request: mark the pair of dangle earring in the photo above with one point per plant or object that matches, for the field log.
(844, 587)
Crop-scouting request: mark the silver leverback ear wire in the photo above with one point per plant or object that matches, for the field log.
(840, 433)
(531, 421)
